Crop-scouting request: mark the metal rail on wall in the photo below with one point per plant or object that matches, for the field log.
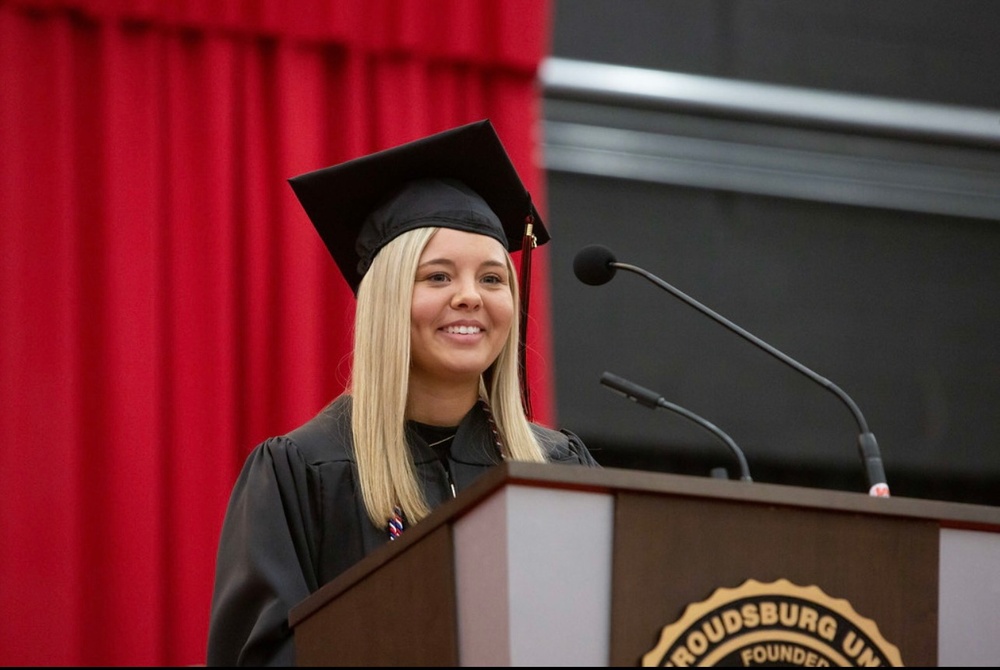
(708, 132)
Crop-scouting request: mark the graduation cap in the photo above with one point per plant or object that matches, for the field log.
(460, 178)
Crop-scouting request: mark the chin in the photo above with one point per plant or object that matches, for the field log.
(465, 368)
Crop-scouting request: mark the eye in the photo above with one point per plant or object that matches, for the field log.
(493, 279)
(437, 277)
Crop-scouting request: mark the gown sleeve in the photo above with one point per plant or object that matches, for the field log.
(578, 450)
(564, 446)
(264, 564)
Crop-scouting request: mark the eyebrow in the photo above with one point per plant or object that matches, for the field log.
(451, 263)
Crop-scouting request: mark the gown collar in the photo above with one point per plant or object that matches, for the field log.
(473, 442)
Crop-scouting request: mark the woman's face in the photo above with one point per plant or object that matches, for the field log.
(462, 307)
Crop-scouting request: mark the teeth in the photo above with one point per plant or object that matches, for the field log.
(463, 330)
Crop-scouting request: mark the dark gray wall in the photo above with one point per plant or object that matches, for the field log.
(896, 304)
(935, 50)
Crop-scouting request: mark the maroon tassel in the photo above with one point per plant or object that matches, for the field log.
(528, 243)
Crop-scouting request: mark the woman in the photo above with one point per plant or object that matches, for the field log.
(435, 398)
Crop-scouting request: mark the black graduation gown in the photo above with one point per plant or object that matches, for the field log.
(296, 520)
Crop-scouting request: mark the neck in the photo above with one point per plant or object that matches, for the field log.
(440, 405)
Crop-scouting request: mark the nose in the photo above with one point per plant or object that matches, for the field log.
(466, 295)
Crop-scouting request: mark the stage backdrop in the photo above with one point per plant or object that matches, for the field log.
(164, 302)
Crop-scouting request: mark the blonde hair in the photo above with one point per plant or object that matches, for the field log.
(380, 378)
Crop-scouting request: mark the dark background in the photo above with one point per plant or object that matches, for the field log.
(934, 50)
(898, 308)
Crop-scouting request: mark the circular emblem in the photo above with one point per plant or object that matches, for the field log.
(773, 624)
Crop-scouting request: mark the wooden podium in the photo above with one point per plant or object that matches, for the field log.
(565, 565)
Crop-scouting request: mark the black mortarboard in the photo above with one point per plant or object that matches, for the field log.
(341, 199)
(359, 206)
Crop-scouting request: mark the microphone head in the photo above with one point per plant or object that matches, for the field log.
(592, 265)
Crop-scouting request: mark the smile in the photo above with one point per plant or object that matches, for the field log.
(463, 330)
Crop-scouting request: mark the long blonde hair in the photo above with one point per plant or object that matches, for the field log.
(380, 378)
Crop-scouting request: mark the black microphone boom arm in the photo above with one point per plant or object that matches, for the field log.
(647, 398)
(867, 446)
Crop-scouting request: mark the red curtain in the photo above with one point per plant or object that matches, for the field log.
(164, 302)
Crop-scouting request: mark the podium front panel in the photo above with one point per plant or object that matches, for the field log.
(671, 552)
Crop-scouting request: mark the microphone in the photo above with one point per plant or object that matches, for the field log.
(596, 265)
(648, 398)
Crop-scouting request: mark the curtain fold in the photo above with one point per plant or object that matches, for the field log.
(164, 302)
